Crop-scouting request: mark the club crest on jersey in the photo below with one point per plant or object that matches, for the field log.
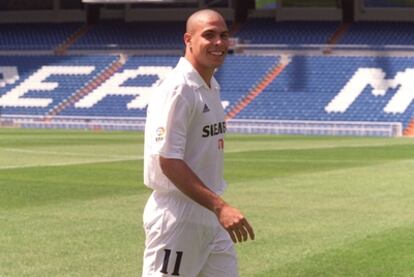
(214, 129)
(160, 132)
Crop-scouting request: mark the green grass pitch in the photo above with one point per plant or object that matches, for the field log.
(71, 204)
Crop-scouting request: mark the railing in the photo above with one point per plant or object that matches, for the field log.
(334, 128)
(74, 122)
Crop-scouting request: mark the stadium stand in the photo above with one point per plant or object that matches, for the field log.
(35, 36)
(268, 31)
(308, 87)
(379, 34)
(45, 81)
(239, 74)
(130, 82)
(306, 90)
(132, 35)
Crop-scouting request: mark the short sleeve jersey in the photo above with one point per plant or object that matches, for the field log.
(185, 120)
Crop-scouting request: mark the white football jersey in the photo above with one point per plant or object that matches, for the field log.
(185, 120)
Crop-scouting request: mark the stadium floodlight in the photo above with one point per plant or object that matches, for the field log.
(137, 1)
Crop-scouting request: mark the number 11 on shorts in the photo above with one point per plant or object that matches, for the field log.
(167, 254)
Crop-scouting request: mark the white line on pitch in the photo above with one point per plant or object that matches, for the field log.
(30, 151)
(68, 163)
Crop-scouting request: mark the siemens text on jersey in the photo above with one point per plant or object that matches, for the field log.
(214, 129)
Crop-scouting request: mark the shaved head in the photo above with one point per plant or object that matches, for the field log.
(197, 19)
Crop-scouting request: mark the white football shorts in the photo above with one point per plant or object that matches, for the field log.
(185, 239)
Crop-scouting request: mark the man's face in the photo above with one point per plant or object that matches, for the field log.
(209, 43)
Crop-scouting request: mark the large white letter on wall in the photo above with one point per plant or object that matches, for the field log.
(375, 77)
(405, 94)
(113, 86)
(14, 97)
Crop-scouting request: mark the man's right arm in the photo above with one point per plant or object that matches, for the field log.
(190, 184)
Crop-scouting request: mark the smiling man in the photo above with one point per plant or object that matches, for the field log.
(190, 229)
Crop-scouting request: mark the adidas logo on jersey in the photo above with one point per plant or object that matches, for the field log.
(206, 109)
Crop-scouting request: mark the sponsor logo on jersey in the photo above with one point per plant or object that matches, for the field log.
(214, 129)
(160, 132)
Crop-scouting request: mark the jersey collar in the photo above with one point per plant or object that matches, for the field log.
(193, 77)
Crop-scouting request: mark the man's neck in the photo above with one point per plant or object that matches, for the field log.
(205, 73)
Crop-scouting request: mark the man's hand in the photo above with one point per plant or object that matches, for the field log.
(235, 223)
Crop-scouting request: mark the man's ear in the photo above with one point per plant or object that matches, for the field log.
(187, 39)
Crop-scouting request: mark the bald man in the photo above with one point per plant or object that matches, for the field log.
(190, 230)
